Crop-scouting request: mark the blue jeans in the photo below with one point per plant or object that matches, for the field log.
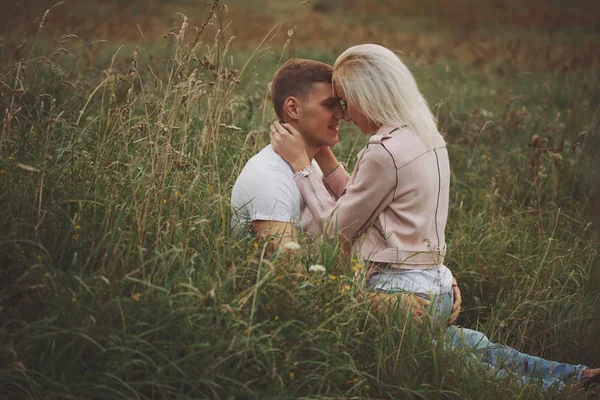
(502, 360)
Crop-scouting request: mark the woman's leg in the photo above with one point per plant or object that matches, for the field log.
(504, 360)
(501, 359)
(508, 361)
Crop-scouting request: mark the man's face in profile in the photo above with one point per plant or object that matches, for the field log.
(320, 116)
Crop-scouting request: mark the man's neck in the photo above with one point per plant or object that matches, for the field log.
(311, 151)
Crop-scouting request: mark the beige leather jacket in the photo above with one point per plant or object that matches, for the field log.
(394, 207)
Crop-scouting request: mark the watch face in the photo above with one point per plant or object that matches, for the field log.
(304, 172)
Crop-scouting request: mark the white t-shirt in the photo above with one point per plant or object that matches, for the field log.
(265, 190)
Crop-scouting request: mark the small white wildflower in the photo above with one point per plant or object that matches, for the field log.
(316, 268)
(292, 246)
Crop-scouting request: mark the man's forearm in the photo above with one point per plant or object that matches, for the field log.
(278, 233)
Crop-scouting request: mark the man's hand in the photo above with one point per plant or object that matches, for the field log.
(457, 302)
(288, 143)
(279, 233)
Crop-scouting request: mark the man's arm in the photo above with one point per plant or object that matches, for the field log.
(270, 200)
(456, 306)
(277, 233)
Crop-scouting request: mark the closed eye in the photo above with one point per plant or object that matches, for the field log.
(331, 103)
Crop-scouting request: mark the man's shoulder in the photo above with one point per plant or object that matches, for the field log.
(265, 190)
(268, 160)
(265, 170)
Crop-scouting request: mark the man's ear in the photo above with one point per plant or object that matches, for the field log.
(291, 107)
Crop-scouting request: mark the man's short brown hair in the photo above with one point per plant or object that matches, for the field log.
(295, 78)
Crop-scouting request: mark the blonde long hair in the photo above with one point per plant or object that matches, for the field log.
(380, 86)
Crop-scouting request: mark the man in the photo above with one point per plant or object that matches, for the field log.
(265, 198)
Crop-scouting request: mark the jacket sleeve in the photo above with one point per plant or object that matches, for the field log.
(374, 179)
(336, 181)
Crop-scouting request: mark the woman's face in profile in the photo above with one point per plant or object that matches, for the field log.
(353, 114)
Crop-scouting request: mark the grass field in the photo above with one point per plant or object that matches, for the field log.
(124, 126)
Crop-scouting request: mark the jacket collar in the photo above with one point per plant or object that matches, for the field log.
(386, 129)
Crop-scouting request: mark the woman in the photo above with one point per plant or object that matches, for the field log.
(393, 210)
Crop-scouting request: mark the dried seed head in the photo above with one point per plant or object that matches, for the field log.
(67, 36)
(45, 16)
(61, 51)
(184, 25)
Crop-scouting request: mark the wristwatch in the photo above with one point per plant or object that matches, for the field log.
(304, 172)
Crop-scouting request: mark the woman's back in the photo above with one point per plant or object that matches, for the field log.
(407, 227)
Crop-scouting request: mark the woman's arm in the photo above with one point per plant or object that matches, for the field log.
(337, 181)
(374, 179)
(326, 160)
(335, 175)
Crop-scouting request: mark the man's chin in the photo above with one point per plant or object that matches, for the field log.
(330, 142)
(333, 138)
(326, 140)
